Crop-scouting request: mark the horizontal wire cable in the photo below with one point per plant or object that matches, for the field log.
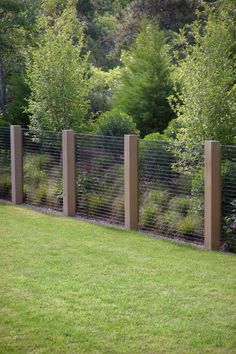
(42, 165)
(228, 168)
(5, 163)
(100, 161)
(157, 175)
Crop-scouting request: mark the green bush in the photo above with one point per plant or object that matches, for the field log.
(170, 221)
(159, 198)
(228, 169)
(5, 185)
(41, 194)
(98, 203)
(114, 123)
(42, 183)
(154, 204)
(148, 216)
(180, 205)
(168, 135)
(197, 191)
(118, 208)
(34, 165)
(187, 224)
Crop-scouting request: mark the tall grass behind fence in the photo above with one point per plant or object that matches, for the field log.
(42, 169)
(171, 202)
(228, 176)
(100, 178)
(5, 164)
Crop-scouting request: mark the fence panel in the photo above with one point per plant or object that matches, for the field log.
(171, 188)
(5, 164)
(42, 169)
(100, 178)
(228, 175)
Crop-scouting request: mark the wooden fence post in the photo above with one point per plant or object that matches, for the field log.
(16, 164)
(68, 149)
(131, 181)
(212, 195)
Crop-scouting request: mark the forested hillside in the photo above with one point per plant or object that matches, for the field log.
(112, 67)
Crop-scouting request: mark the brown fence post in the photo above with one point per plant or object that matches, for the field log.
(16, 164)
(68, 148)
(212, 194)
(131, 181)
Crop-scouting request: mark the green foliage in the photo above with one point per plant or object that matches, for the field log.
(228, 173)
(145, 81)
(197, 191)
(42, 184)
(96, 202)
(188, 224)
(153, 206)
(114, 123)
(148, 216)
(168, 135)
(179, 205)
(17, 20)
(182, 217)
(5, 184)
(57, 74)
(206, 105)
(118, 208)
(100, 95)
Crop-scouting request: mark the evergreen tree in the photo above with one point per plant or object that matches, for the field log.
(145, 82)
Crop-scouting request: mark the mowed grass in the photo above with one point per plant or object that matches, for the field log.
(73, 287)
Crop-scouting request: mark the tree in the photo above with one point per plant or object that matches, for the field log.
(17, 19)
(206, 104)
(145, 83)
(58, 74)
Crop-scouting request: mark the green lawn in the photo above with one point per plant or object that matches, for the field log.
(72, 287)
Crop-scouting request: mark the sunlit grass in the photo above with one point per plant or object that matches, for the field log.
(73, 287)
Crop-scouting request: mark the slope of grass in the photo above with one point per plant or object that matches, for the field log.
(73, 287)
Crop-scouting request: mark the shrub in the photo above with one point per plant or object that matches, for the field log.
(168, 135)
(187, 224)
(170, 221)
(118, 208)
(159, 198)
(180, 205)
(5, 185)
(155, 153)
(41, 194)
(229, 228)
(228, 169)
(197, 192)
(43, 183)
(33, 168)
(98, 203)
(148, 216)
(114, 123)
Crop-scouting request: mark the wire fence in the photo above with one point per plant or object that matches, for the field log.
(5, 164)
(171, 182)
(171, 193)
(100, 178)
(42, 169)
(228, 176)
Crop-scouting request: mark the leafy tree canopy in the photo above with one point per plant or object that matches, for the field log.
(58, 74)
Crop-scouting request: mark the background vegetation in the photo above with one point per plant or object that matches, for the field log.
(161, 69)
